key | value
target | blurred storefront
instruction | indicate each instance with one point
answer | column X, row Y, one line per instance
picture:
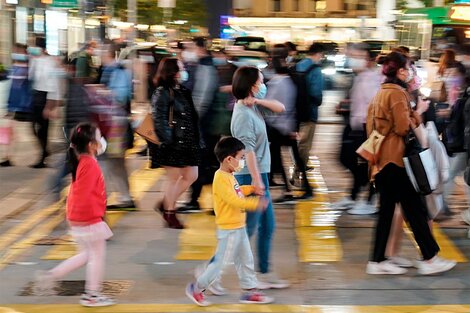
column 307, row 20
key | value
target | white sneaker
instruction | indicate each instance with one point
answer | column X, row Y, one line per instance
column 465, row 215
column 216, row 287
column 435, row 265
column 271, row 281
column 384, row 268
column 363, row 208
column 95, row 300
column 400, row 261
column 44, row 284
column 343, row 204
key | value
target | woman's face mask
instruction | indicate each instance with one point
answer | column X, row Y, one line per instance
column 262, row 90
column 184, row 76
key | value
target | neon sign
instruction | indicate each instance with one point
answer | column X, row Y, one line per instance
column 461, row 13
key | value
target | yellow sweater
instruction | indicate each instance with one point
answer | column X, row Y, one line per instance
column 230, row 202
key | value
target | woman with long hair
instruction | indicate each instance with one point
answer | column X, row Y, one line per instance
column 176, row 125
column 390, row 114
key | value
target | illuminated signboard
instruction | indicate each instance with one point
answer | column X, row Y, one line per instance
column 460, row 13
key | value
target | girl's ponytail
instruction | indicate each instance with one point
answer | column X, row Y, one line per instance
column 72, row 161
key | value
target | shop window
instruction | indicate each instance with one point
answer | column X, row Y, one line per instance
column 276, row 5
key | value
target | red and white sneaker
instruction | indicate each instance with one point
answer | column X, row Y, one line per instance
column 251, row 297
column 196, row 297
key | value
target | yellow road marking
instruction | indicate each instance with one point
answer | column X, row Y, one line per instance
column 270, row 308
column 448, row 249
column 316, row 223
column 140, row 181
column 13, row 234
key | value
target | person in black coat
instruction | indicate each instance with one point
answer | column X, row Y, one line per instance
column 176, row 125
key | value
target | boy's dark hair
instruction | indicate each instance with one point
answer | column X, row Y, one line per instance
column 227, row 146
column 316, row 48
column 200, row 42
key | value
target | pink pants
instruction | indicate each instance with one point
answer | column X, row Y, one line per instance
column 91, row 241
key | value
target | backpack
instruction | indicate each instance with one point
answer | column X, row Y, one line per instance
column 303, row 101
column 453, row 135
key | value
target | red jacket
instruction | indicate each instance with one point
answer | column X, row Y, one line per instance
column 86, row 202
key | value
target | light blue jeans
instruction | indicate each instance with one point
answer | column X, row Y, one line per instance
column 232, row 246
column 263, row 221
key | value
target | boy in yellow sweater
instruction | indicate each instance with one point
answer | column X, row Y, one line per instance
column 233, row 245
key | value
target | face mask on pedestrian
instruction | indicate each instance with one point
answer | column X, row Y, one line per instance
column 290, row 59
column 357, row 64
column 219, row 61
column 103, row 146
column 184, row 76
column 35, row 51
column 262, row 90
column 410, row 75
column 239, row 166
column 19, row 57
column 189, row 56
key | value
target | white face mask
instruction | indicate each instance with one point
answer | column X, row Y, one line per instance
column 184, row 76
column 357, row 64
column 241, row 165
column 103, row 147
column 410, row 76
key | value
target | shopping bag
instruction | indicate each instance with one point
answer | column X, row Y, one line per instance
column 370, row 149
column 438, row 91
column 420, row 166
column 146, row 129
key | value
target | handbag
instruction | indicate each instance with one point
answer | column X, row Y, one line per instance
column 438, row 91
column 146, row 128
column 420, row 165
column 370, row 149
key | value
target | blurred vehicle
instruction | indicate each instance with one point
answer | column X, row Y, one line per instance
column 248, row 58
column 251, row 43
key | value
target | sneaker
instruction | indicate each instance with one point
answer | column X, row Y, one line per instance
column 465, row 215
column 216, row 287
column 271, row 281
column 362, row 208
column 6, row 163
column 95, row 300
column 44, row 284
column 384, row 268
column 401, row 262
column 196, row 297
column 435, row 265
column 251, row 297
column 345, row 203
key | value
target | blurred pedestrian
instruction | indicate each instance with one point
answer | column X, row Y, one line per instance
column 86, row 207
column 365, row 86
column 19, row 100
column 177, row 127
column 282, row 128
column 206, row 84
column 452, row 73
column 117, row 78
column 291, row 58
column 233, row 244
column 314, row 84
column 248, row 125
column 391, row 115
column 84, row 63
column 46, row 90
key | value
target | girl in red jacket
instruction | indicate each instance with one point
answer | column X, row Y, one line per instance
column 86, row 206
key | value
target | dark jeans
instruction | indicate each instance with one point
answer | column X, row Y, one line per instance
column 40, row 124
column 395, row 187
column 279, row 140
column 207, row 169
